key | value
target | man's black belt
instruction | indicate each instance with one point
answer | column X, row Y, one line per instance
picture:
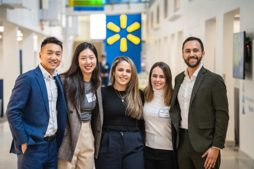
column 50, row 138
column 185, row 131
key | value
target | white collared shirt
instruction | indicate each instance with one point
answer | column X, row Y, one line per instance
column 52, row 100
column 184, row 95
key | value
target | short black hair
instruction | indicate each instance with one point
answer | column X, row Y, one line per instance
column 192, row 38
column 51, row 40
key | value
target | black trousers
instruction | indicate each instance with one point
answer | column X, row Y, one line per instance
column 188, row 158
column 121, row 150
column 159, row 159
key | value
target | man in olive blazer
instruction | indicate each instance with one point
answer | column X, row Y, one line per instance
column 199, row 111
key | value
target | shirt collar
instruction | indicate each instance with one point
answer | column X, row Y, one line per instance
column 195, row 74
column 45, row 73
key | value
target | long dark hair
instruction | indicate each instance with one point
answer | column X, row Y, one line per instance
column 149, row 93
column 73, row 77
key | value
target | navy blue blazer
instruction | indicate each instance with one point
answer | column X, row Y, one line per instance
column 28, row 110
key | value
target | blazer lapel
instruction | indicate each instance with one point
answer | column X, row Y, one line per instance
column 42, row 86
column 60, row 88
column 197, row 84
column 100, row 104
column 61, row 97
column 177, row 87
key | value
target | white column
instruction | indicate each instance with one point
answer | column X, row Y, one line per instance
column 29, row 60
column 1, row 59
column 40, row 38
column 10, row 59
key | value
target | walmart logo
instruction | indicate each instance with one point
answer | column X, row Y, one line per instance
column 123, row 26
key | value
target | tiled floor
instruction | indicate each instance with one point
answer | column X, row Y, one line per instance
column 234, row 159
column 231, row 157
column 7, row 160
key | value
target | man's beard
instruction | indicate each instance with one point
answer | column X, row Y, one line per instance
column 193, row 65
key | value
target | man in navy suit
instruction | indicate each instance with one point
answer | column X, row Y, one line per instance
column 37, row 111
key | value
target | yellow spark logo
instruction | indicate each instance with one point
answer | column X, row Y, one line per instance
column 123, row 41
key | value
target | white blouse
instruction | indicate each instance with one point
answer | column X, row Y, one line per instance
column 158, row 123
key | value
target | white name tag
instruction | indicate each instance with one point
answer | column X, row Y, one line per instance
column 90, row 97
column 164, row 112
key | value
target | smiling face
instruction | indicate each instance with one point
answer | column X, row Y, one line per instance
column 51, row 56
column 192, row 53
column 122, row 75
column 87, row 62
column 158, row 78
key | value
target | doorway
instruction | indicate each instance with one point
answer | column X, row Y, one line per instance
column 231, row 22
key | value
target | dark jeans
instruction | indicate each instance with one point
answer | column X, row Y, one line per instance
column 42, row 156
column 159, row 159
column 121, row 150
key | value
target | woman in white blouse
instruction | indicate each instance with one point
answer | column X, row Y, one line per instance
column 159, row 151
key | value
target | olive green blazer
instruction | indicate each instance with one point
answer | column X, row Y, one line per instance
column 208, row 111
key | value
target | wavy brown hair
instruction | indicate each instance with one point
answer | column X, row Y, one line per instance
column 149, row 93
column 134, row 101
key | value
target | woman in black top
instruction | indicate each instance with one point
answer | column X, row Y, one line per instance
column 122, row 142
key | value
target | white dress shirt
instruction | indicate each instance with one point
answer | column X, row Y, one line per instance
column 184, row 96
column 52, row 94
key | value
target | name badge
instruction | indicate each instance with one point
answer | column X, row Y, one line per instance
column 164, row 112
column 90, row 97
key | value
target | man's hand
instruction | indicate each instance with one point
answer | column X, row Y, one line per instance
column 211, row 157
column 23, row 147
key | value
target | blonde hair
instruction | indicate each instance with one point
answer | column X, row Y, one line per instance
column 134, row 103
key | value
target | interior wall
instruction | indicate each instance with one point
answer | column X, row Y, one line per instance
column 172, row 54
column 1, row 57
column 180, row 65
column 165, row 46
column 246, row 86
column 210, row 48
column 10, row 60
column 228, row 68
column 84, row 29
column 27, row 17
column 27, row 46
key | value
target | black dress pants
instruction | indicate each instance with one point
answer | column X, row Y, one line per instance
column 188, row 158
column 159, row 159
column 121, row 150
